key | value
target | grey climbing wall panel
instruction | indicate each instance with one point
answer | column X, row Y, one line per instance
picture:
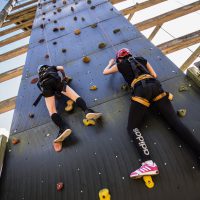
column 103, row 155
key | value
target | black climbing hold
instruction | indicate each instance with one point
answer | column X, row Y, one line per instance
column 89, row 1
column 43, row 18
column 82, row 18
column 49, row 20
column 54, row 43
column 42, row 26
column 64, row 50
column 111, row 9
column 54, row 13
column 55, row 21
column 43, row 13
column 31, row 115
column 116, row 30
column 47, row 56
column 55, row 29
column 92, row 7
column 75, row 18
column 72, row 9
column 41, row 40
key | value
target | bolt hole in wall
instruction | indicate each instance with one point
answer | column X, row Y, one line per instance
column 169, row 31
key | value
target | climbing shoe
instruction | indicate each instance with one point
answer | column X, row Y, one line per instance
column 63, row 134
column 148, row 168
column 90, row 114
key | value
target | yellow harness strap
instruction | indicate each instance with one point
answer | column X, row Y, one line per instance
column 146, row 103
column 160, row 96
column 141, row 100
column 140, row 78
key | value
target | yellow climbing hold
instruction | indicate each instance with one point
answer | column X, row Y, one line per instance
column 86, row 59
column 89, row 122
column 77, row 32
column 69, row 106
column 93, row 87
column 148, row 181
column 104, row 194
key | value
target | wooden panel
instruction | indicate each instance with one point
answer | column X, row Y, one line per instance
column 24, row 4
column 158, row 20
column 11, row 74
column 180, row 43
column 13, row 53
column 7, row 105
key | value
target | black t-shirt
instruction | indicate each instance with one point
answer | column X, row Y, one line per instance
column 50, row 72
column 126, row 70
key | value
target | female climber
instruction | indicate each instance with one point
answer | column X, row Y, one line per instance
column 50, row 83
column 147, row 91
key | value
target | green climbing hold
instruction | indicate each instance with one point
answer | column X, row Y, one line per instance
column 183, row 88
column 102, row 45
column 93, row 25
column 181, row 112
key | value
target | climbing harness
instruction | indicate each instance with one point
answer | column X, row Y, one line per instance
column 147, row 103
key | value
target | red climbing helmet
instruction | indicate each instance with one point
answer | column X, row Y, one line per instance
column 123, row 53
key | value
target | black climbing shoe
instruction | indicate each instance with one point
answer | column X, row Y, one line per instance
column 63, row 134
column 90, row 114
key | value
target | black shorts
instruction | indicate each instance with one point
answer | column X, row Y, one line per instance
column 52, row 86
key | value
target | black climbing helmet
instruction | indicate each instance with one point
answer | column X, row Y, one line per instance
column 42, row 68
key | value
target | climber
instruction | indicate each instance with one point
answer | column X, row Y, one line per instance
column 50, row 83
column 146, row 91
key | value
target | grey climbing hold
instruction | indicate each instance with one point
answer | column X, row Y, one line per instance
column 116, row 30
column 183, row 88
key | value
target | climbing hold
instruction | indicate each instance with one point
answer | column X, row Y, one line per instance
column 77, row 32
column 43, row 18
column 92, row 7
column 69, row 106
column 54, row 6
column 111, row 9
column 181, row 112
column 64, row 50
column 53, row 1
column 93, row 25
column 55, row 21
column 89, row 122
column 34, row 80
column 82, row 18
column 183, row 88
column 72, row 9
column 93, row 87
column 43, row 13
column 102, row 45
column 49, row 20
column 124, row 87
column 54, row 13
column 89, row 1
column 15, row 141
column 86, row 59
column 148, row 181
column 47, row 56
column 64, row 2
column 116, row 30
column 54, row 43
column 75, row 18
column 76, row 2
column 55, row 29
column 59, row 186
column 42, row 26
column 31, row 115
column 41, row 40
column 59, row 9
column 104, row 194
column 62, row 28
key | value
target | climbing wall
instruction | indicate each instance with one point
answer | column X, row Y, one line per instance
column 102, row 156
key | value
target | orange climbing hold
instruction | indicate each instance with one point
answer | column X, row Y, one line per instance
column 93, row 87
column 86, row 59
column 15, row 141
column 69, row 106
column 77, row 32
